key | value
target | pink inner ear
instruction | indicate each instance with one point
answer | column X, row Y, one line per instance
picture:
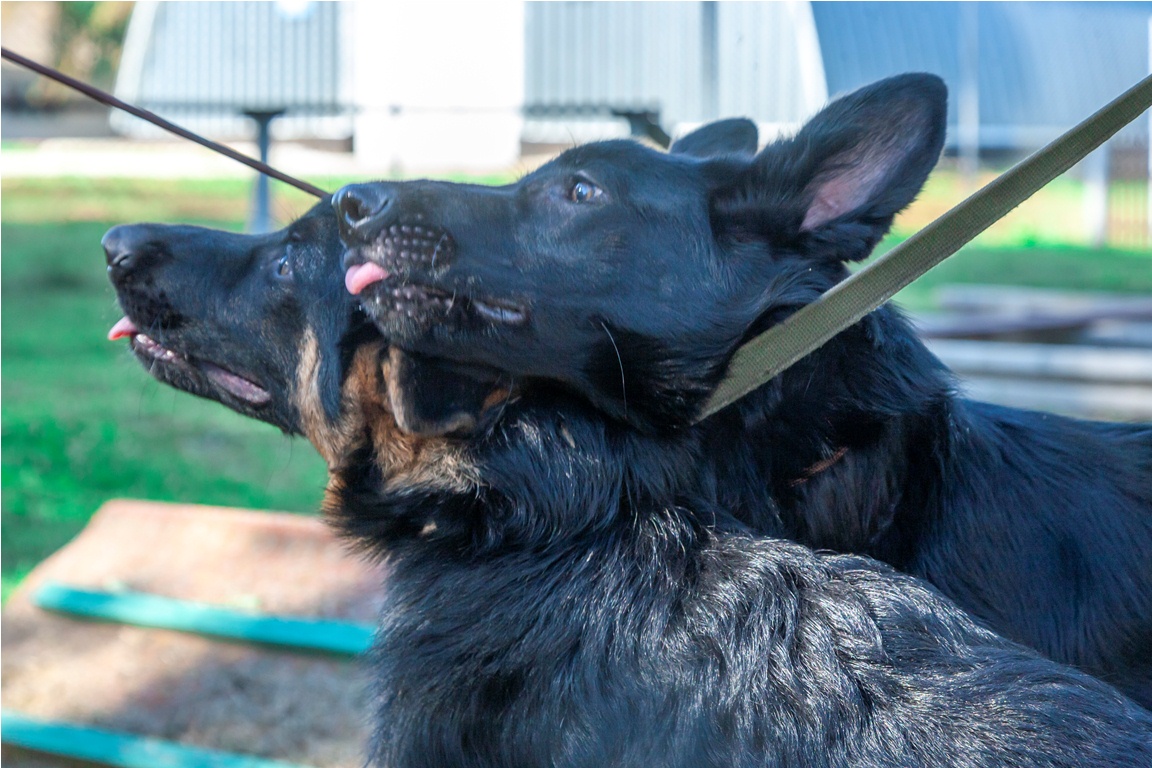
column 844, row 190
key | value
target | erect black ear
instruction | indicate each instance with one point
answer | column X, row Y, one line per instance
column 734, row 136
column 834, row 188
column 432, row 397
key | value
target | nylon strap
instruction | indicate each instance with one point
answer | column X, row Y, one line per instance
column 846, row 303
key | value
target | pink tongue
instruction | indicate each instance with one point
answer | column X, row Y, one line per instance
column 124, row 327
column 360, row 276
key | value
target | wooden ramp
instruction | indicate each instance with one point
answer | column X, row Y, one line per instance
column 258, row 700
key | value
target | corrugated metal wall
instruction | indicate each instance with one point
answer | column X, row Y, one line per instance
column 1041, row 67
column 694, row 61
column 201, row 62
column 770, row 66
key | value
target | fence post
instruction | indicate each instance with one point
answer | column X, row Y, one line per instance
column 968, row 99
column 1096, row 169
column 1149, row 192
column 260, row 219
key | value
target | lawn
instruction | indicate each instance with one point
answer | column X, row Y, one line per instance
column 83, row 422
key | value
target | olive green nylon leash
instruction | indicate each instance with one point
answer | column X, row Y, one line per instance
column 846, row 303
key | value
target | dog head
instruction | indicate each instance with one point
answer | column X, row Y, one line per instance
column 630, row 275
column 264, row 325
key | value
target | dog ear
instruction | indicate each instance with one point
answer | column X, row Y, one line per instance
column 735, row 136
column 430, row 397
column 834, row 188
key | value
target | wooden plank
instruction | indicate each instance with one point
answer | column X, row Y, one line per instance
column 1017, row 300
column 122, row 750
column 144, row 610
column 1047, row 361
column 1081, row 399
column 1050, row 327
column 998, row 311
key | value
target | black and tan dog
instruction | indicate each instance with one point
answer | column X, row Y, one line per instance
column 566, row 590
column 264, row 325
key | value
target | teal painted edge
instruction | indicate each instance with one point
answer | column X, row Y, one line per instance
column 118, row 749
column 144, row 610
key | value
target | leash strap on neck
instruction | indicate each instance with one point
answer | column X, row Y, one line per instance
column 846, row 303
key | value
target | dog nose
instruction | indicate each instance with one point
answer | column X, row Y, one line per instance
column 359, row 208
column 122, row 248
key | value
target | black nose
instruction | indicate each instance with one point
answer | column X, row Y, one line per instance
column 123, row 247
column 360, row 210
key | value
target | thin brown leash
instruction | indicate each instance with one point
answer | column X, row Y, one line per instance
column 106, row 98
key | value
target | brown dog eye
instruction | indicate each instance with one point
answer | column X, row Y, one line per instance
column 583, row 192
column 284, row 267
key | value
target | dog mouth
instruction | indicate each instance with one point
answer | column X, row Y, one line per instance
column 153, row 353
column 387, row 295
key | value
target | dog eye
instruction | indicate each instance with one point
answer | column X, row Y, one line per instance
column 583, row 192
column 284, row 267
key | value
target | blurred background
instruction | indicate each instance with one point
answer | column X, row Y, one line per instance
column 1051, row 309
column 343, row 91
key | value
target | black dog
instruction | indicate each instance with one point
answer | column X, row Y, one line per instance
column 560, row 595
column 629, row 276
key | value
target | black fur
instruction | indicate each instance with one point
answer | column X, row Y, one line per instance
column 210, row 306
column 634, row 297
column 581, row 588
column 241, row 303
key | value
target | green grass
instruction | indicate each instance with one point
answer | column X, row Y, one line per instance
column 83, row 422
column 1042, row 266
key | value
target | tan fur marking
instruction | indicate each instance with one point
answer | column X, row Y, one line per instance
column 498, row 397
column 409, row 459
column 333, row 440
column 405, row 460
column 403, row 413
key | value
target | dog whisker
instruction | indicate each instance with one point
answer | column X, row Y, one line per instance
column 620, row 362
column 436, row 249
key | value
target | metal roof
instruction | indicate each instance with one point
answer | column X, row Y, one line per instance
column 693, row 61
column 201, row 62
column 1042, row 66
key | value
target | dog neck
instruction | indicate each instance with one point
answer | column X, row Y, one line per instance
column 490, row 491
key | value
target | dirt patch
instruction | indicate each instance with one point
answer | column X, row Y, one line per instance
column 210, row 693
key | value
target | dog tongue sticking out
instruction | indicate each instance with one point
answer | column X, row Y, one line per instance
column 226, row 380
column 124, row 327
column 360, row 276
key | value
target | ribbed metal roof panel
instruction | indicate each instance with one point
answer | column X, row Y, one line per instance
column 694, row 61
column 1042, row 66
column 201, row 61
